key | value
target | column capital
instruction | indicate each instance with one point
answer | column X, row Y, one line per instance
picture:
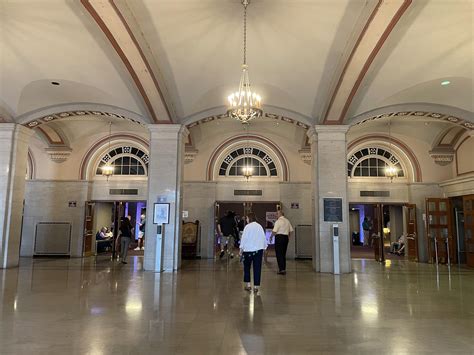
column 168, row 130
column 312, row 135
column 331, row 128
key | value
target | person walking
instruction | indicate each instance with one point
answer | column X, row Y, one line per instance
column 252, row 245
column 281, row 231
column 366, row 227
column 125, row 237
column 141, row 233
column 226, row 230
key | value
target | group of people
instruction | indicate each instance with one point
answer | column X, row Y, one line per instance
column 105, row 236
column 253, row 244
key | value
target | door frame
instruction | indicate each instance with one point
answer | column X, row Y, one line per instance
column 436, row 214
column 412, row 238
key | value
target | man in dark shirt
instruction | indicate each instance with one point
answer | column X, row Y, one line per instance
column 226, row 229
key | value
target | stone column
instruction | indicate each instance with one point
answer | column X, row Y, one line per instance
column 329, row 180
column 165, row 177
column 13, row 163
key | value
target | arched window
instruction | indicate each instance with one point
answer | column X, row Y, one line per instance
column 126, row 160
column 371, row 162
column 260, row 162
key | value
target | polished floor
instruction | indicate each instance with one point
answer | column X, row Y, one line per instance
column 95, row 306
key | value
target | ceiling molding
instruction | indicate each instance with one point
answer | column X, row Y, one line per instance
column 414, row 114
column 118, row 31
column 379, row 25
column 63, row 115
column 272, row 116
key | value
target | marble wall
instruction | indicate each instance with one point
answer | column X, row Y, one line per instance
column 13, row 163
column 199, row 199
column 48, row 201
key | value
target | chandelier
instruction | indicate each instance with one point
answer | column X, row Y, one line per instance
column 245, row 105
column 108, row 168
column 391, row 171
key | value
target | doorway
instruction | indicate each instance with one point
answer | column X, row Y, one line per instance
column 106, row 216
column 264, row 211
column 376, row 231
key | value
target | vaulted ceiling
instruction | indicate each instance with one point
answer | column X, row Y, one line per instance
column 320, row 61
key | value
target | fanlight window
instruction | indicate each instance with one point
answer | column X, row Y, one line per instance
column 372, row 162
column 260, row 162
column 126, row 161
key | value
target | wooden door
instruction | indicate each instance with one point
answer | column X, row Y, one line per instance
column 468, row 202
column 377, row 229
column 412, row 232
column 89, row 235
column 440, row 229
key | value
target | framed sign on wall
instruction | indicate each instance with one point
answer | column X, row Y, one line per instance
column 332, row 209
column 161, row 213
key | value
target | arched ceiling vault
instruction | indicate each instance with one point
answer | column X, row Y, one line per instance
column 313, row 62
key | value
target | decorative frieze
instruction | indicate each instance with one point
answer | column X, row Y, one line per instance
column 190, row 155
column 442, row 157
column 59, row 154
column 305, row 155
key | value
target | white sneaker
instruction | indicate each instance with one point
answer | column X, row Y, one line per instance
column 137, row 248
column 142, row 248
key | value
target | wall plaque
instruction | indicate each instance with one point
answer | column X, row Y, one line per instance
column 332, row 209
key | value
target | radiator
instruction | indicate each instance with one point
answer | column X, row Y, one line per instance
column 53, row 239
column 304, row 241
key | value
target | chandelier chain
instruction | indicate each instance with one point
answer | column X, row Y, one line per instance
column 245, row 33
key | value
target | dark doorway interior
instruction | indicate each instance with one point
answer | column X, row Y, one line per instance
column 264, row 211
column 108, row 214
column 387, row 224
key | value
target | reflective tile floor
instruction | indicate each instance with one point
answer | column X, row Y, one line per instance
column 99, row 307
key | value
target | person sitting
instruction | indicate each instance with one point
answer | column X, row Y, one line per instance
column 103, row 240
column 399, row 247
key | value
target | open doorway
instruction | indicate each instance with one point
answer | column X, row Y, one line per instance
column 264, row 211
column 380, row 231
column 102, row 226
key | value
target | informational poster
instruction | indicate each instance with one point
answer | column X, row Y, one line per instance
column 332, row 209
column 161, row 213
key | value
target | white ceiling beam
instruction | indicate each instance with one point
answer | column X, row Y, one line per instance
column 118, row 31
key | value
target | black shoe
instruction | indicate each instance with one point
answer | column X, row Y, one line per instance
column 124, row 262
column 231, row 256
column 221, row 255
column 281, row 272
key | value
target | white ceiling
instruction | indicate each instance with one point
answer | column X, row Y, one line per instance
column 56, row 40
column 294, row 49
column 199, row 48
column 433, row 43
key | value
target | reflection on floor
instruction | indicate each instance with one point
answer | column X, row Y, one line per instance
column 95, row 306
column 363, row 252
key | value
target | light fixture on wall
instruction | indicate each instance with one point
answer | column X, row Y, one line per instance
column 108, row 168
column 391, row 171
column 245, row 105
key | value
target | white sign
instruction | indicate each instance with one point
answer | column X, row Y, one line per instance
column 161, row 213
column 185, row 214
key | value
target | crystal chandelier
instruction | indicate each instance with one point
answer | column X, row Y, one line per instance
column 391, row 171
column 245, row 105
column 108, row 168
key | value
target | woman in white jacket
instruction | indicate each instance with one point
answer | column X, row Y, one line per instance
column 252, row 245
